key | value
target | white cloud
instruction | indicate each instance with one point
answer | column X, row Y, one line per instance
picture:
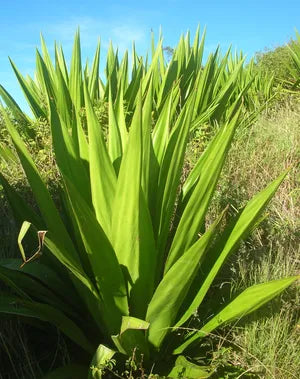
column 124, row 35
column 121, row 32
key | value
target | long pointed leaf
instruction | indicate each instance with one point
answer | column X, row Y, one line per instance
column 132, row 235
column 171, row 291
column 247, row 302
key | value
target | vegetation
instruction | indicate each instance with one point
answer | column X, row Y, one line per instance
column 132, row 222
column 282, row 62
column 295, row 53
column 268, row 342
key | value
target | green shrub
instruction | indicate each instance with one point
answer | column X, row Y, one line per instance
column 126, row 260
column 278, row 62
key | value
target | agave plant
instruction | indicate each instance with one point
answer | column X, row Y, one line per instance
column 219, row 81
column 127, row 258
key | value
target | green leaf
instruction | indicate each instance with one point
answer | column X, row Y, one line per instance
column 132, row 337
column 44, row 77
column 169, row 176
column 65, row 107
column 57, row 240
column 49, row 212
column 243, row 226
column 10, row 278
column 32, row 97
column 107, row 272
column 27, row 287
column 44, row 312
column 147, row 141
column 114, row 136
column 7, row 154
column 102, row 175
column 47, row 58
column 132, row 235
column 13, row 106
column 131, row 92
column 162, row 129
column 112, row 66
column 67, row 154
column 248, row 301
column 167, row 84
column 93, row 84
column 195, row 211
column 123, row 73
column 24, row 229
column 77, row 96
column 120, row 115
column 21, row 210
column 185, row 369
column 45, row 276
column 100, row 362
column 60, row 63
column 76, row 88
column 171, row 291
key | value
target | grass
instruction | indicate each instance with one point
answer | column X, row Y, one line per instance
column 268, row 344
column 26, row 352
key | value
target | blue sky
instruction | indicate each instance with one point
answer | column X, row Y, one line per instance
column 249, row 26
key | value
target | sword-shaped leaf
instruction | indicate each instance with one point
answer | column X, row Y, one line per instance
column 28, row 287
column 132, row 235
column 102, row 175
column 13, row 106
column 114, row 136
column 93, row 83
column 47, row 58
column 248, row 301
column 44, row 312
column 194, row 213
column 107, row 272
column 76, row 90
column 60, row 63
column 171, row 291
column 120, row 115
column 60, row 245
column 243, row 226
column 31, row 96
column 169, row 176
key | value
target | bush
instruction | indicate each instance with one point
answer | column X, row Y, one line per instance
column 278, row 61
